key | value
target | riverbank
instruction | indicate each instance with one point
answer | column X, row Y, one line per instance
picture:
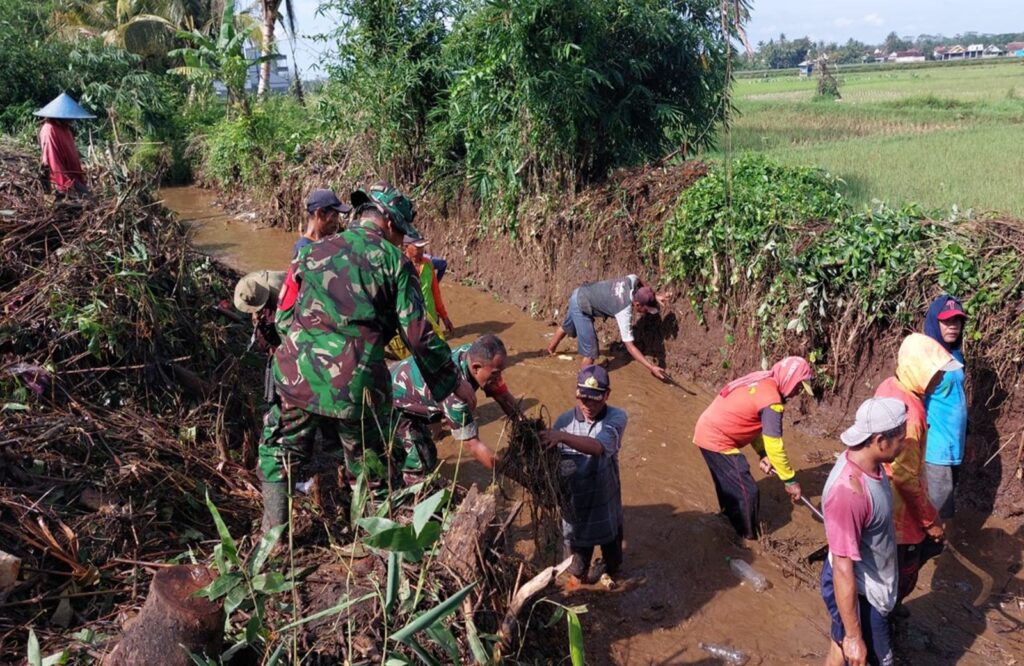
column 677, row 588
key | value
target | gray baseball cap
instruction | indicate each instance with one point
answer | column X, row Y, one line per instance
column 874, row 416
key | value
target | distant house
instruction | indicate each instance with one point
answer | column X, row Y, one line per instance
column 974, row 51
column 912, row 55
column 1015, row 49
column 992, row 51
column 954, row 53
column 806, row 68
column 939, row 52
column 280, row 78
column 879, row 56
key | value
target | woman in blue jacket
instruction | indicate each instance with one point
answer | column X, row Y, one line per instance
column 947, row 407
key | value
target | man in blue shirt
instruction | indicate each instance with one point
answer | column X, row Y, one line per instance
column 946, row 407
column 588, row 438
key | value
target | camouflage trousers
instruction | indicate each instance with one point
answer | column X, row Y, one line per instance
column 414, row 436
column 288, row 436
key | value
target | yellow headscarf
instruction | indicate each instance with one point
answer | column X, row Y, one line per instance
column 919, row 358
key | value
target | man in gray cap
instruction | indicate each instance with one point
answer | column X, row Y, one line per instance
column 619, row 299
column 859, row 579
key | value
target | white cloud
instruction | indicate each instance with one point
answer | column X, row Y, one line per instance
column 842, row 22
column 874, row 19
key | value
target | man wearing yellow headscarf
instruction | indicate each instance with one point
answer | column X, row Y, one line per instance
column 920, row 365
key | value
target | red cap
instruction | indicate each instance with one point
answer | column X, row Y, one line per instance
column 951, row 309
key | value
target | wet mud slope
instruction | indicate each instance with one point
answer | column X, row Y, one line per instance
column 615, row 228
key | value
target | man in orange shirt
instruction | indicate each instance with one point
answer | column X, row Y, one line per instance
column 414, row 250
column 749, row 411
column 919, row 534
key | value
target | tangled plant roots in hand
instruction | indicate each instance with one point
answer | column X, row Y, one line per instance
column 526, row 462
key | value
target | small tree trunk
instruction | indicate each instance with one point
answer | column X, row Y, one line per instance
column 173, row 623
column 469, row 534
column 269, row 18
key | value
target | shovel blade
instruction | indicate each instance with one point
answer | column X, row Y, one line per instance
column 817, row 555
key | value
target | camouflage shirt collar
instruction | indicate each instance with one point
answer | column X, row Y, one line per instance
column 365, row 224
column 463, row 362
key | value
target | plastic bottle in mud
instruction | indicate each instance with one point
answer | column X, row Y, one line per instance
column 727, row 654
column 747, row 573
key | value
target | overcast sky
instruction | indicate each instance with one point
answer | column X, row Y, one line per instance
column 830, row 20
column 871, row 20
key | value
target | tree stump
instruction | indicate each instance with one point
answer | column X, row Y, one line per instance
column 173, row 623
column 468, row 535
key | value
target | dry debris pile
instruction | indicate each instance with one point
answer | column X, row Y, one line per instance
column 128, row 399
column 109, row 358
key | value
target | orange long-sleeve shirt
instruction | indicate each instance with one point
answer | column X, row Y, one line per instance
column 911, row 508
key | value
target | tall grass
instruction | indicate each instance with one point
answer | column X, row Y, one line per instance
column 942, row 137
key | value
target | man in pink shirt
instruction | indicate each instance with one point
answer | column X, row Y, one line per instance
column 859, row 580
column 59, row 154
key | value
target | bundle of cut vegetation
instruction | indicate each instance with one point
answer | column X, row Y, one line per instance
column 114, row 419
column 526, row 462
column 807, row 274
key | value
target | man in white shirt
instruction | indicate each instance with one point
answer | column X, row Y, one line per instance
column 618, row 298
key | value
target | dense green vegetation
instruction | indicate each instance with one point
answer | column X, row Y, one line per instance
column 505, row 99
column 515, row 98
column 941, row 136
column 786, row 242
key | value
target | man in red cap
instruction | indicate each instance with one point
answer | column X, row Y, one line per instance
column 946, row 408
column 619, row 299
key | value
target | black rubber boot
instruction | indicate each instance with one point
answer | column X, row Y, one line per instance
column 275, row 505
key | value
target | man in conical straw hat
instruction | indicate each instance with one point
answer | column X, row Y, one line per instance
column 57, row 143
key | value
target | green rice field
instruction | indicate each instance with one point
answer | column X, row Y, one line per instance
column 939, row 136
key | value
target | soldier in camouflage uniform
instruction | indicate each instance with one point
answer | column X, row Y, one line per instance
column 355, row 291
column 416, row 409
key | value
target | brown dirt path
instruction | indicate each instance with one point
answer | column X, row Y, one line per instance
column 678, row 589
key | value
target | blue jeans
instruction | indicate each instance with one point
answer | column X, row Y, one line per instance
column 580, row 326
column 874, row 626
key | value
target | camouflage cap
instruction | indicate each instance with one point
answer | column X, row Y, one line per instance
column 390, row 201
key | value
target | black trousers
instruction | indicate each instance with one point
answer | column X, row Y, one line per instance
column 910, row 558
column 611, row 552
column 738, row 495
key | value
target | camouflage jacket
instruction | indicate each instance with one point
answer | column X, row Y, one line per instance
column 355, row 291
column 411, row 395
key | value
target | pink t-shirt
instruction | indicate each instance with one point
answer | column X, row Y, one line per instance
column 858, row 523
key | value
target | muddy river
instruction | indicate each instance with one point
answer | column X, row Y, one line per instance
column 677, row 589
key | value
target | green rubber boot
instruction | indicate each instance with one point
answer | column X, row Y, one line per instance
column 275, row 505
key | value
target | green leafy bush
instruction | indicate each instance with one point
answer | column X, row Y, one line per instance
column 243, row 150
column 737, row 225
column 784, row 239
column 387, row 80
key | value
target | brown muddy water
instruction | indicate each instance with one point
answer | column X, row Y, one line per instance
column 677, row 589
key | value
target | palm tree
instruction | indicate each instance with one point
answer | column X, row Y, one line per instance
column 207, row 59
column 143, row 27
column 271, row 14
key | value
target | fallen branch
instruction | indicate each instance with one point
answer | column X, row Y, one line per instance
column 525, row 593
